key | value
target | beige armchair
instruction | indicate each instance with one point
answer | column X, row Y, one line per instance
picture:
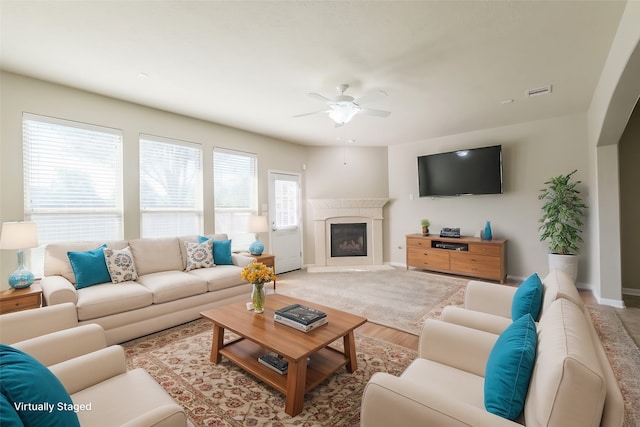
column 91, row 372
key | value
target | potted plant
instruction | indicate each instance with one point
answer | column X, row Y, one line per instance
column 561, row 222
column 425, row 226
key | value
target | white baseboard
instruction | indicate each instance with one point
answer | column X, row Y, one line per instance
column 631, row 291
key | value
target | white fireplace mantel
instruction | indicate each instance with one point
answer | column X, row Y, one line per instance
column 332, row 211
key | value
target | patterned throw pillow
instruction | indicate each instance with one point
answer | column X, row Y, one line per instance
column 120, row 265
column 199, row 255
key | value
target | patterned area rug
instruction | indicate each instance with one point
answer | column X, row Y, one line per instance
column 624, row 357
column 401, row 299
column 224, row 395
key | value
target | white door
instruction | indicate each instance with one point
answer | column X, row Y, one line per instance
column 284, row 218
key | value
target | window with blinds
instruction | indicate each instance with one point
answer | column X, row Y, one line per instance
column 235, row 186
column 72, row 182
column 170, row 187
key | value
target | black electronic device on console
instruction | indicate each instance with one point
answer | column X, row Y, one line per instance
column 450, row 232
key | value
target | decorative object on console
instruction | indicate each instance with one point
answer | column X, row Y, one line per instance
column 486, row 233
column 20, row 236
column 425, row 227
column 257, row 224
column 561, row 222
column 257, row 274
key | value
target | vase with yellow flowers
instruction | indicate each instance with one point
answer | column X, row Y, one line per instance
column 257, row 274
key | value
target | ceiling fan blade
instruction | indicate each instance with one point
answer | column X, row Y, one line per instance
column 377, row 113
column 309, row 114
column 319, row 97
column 371, row 96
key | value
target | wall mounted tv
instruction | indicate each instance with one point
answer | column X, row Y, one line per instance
column 462, row 172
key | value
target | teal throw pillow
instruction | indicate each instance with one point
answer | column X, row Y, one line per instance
column 509, row 369
column 8, row 415
column 528, row 298
column 34, row 392
column 90, row 267
column 221, row 251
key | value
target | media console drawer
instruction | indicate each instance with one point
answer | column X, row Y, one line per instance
column 467, row 256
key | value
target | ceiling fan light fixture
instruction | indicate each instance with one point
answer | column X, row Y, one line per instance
column 342, row 113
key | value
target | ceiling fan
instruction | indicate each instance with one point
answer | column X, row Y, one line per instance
column 344, row 107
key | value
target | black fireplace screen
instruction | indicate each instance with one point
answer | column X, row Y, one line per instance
column 349, row 239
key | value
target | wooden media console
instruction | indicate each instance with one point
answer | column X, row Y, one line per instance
column 466, row 255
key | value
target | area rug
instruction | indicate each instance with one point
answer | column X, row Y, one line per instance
column 624, row 357
column 224, row 395
column 401, row 299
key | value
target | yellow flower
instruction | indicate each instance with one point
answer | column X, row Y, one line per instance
column 258, row 273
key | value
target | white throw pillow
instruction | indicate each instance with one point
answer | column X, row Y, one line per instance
column 120, row 264
column 199, row 255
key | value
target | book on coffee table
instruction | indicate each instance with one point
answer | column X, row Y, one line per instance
column 300, row 317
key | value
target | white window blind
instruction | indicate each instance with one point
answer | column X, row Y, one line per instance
column 235, row 186
column 72, row 181
column 170, row 187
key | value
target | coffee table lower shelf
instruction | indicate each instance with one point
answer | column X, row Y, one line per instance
column 245, row 353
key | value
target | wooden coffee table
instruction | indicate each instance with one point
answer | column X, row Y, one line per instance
column 260, row 334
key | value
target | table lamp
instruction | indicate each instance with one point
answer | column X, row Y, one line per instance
column 20, row 236
column 257, row 224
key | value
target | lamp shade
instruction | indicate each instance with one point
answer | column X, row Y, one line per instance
column 19, row 235
column 258, row 224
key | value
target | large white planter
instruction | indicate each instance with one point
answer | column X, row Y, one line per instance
column 566, row 263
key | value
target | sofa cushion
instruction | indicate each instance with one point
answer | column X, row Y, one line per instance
column 199, row 255
column 528, row 298
column 152, row 255
column 121, row 265
column 509, row 368
column 56, row 261
column 172, row 285
column 567, row 385
column 8, row 414
column 89, row 267
column 28, row 385
column 558, row 284
column 452, row 383
column 111, row 298
column 220, row 276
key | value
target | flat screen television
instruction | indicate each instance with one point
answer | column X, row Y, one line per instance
column 462, row 172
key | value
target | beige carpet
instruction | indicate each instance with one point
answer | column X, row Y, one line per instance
column 401, row 299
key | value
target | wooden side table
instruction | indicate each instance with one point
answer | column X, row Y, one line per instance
column 268, row 260
column 20, row 299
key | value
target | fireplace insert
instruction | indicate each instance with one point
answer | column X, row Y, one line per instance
column 348, row 240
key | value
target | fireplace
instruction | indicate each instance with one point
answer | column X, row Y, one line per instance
column 359, row 232
column 349, row 239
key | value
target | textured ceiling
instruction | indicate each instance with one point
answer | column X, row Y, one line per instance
column 446, row 65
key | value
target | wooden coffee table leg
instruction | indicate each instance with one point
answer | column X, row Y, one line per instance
column 296, row 382
column 350, row 352
column 217, row 343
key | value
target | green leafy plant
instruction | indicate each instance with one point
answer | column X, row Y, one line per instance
column 425, row 223
column 562, row 213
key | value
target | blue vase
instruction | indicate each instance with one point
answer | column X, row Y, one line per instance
column 486, row 233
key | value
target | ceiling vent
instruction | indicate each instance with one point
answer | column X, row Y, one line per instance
column 538, row 91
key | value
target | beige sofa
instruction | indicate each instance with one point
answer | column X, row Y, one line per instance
column 92, row 373
column 487, row 306
column 164, row 294
column 572, row 383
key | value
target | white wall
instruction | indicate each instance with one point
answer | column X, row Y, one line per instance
column 532, row 153
column 21, row 94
